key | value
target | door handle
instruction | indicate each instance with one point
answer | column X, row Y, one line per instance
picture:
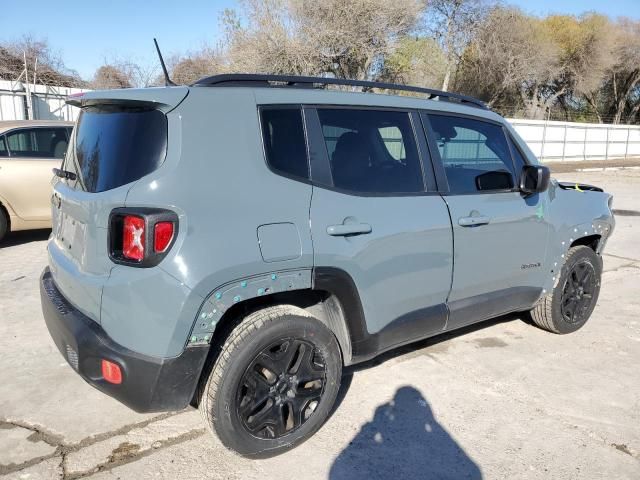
column 348, row 229
column 473, row 221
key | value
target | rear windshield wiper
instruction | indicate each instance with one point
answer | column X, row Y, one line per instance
column 64, row 174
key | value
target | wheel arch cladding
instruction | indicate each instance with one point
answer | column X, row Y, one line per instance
column 223, row 298
column 591, row 241
column 324, row 300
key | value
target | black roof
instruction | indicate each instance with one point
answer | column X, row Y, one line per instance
column 292, row 81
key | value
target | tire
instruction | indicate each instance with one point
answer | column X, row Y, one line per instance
column 553, row 311
column 4, row 223
column 275, row 353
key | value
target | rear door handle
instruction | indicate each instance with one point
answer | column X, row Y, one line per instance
column 473, row 221
column 348, row 229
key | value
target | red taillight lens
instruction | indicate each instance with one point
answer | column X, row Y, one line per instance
column 133, row 238
column 162, row 236
column 111, row 372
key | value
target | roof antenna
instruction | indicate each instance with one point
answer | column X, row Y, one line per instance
column 167, row 80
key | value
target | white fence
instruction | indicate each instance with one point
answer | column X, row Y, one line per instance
column 566, row 141
column 47, row 103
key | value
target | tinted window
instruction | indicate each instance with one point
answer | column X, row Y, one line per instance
column 371, row 151
column 3, row 147
column 38, row 142
column 112, row 147
column 284, row 143
column 475, row 154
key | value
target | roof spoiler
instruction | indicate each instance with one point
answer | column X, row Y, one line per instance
column 161, row 98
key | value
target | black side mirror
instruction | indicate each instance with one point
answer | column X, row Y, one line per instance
column 534, row 179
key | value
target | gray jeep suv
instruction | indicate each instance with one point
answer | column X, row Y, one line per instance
column 233, row 244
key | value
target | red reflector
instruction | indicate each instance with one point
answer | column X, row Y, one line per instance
column 162, row 236
column 111, row 372
column 133, row 238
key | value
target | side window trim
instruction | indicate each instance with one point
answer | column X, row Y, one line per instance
column 321, row 175
column 424, row 153
column 276, row 171
column 439, row 163
column 513, row 146
column 319, row 164
column 436, row 159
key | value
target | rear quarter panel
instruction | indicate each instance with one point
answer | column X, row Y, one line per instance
column 216, row 179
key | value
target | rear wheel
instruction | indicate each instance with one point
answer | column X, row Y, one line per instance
column 274, row 382
column 570, row 304
column 4, row 223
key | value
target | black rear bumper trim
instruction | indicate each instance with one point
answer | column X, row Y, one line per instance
column 149, row 384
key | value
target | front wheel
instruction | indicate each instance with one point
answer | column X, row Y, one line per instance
column 570, row 304
column 274, row 382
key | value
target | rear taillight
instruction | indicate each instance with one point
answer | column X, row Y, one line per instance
column 162, row 236
column 141, row 237
column 133, row 238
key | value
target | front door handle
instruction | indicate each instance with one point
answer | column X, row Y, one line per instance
column 348, row 229
column 473, row 221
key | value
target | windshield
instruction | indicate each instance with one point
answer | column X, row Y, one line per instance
column 113, row 146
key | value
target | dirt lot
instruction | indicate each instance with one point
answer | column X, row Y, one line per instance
column 500, row 400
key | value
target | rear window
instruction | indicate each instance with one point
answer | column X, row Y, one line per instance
column 115, row 146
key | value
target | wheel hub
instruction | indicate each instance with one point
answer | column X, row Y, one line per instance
column 577, row 293
column 280, row 388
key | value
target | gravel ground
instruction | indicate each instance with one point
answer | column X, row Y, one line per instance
column 499, row 400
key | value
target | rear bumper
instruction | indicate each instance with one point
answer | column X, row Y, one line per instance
column 149, row 384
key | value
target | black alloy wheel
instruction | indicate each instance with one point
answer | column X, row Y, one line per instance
column 578, row 292
column 281, row 388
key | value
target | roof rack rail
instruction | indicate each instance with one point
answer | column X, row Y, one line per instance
column 259, row 80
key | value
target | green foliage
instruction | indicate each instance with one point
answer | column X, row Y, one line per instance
column 417, row 61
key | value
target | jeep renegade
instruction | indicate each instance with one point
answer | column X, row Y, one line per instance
column 234, row 243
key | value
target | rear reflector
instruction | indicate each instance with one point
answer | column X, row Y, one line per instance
column 162, row 236
column 111, row 372
column 133, row 238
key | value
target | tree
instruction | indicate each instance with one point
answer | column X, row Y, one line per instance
column 508, row 59
column 41, row 61
column 342, row 38
column 586, row 54
column 416, row 61
column 453, row 24
column 186, row 70
column 621, row 89
column 125, row 73
column 110, row 76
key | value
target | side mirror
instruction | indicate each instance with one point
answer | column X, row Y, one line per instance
column 534, row 179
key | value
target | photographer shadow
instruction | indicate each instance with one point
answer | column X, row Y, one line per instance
column 403, row 441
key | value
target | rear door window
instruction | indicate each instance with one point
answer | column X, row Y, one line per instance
column 475, row 154
column 38, row 142
column 284, row 142
column 3, row 147
column 371, row 151
column 113, row 146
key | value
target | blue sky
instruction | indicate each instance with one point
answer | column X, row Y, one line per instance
column 87, row 32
